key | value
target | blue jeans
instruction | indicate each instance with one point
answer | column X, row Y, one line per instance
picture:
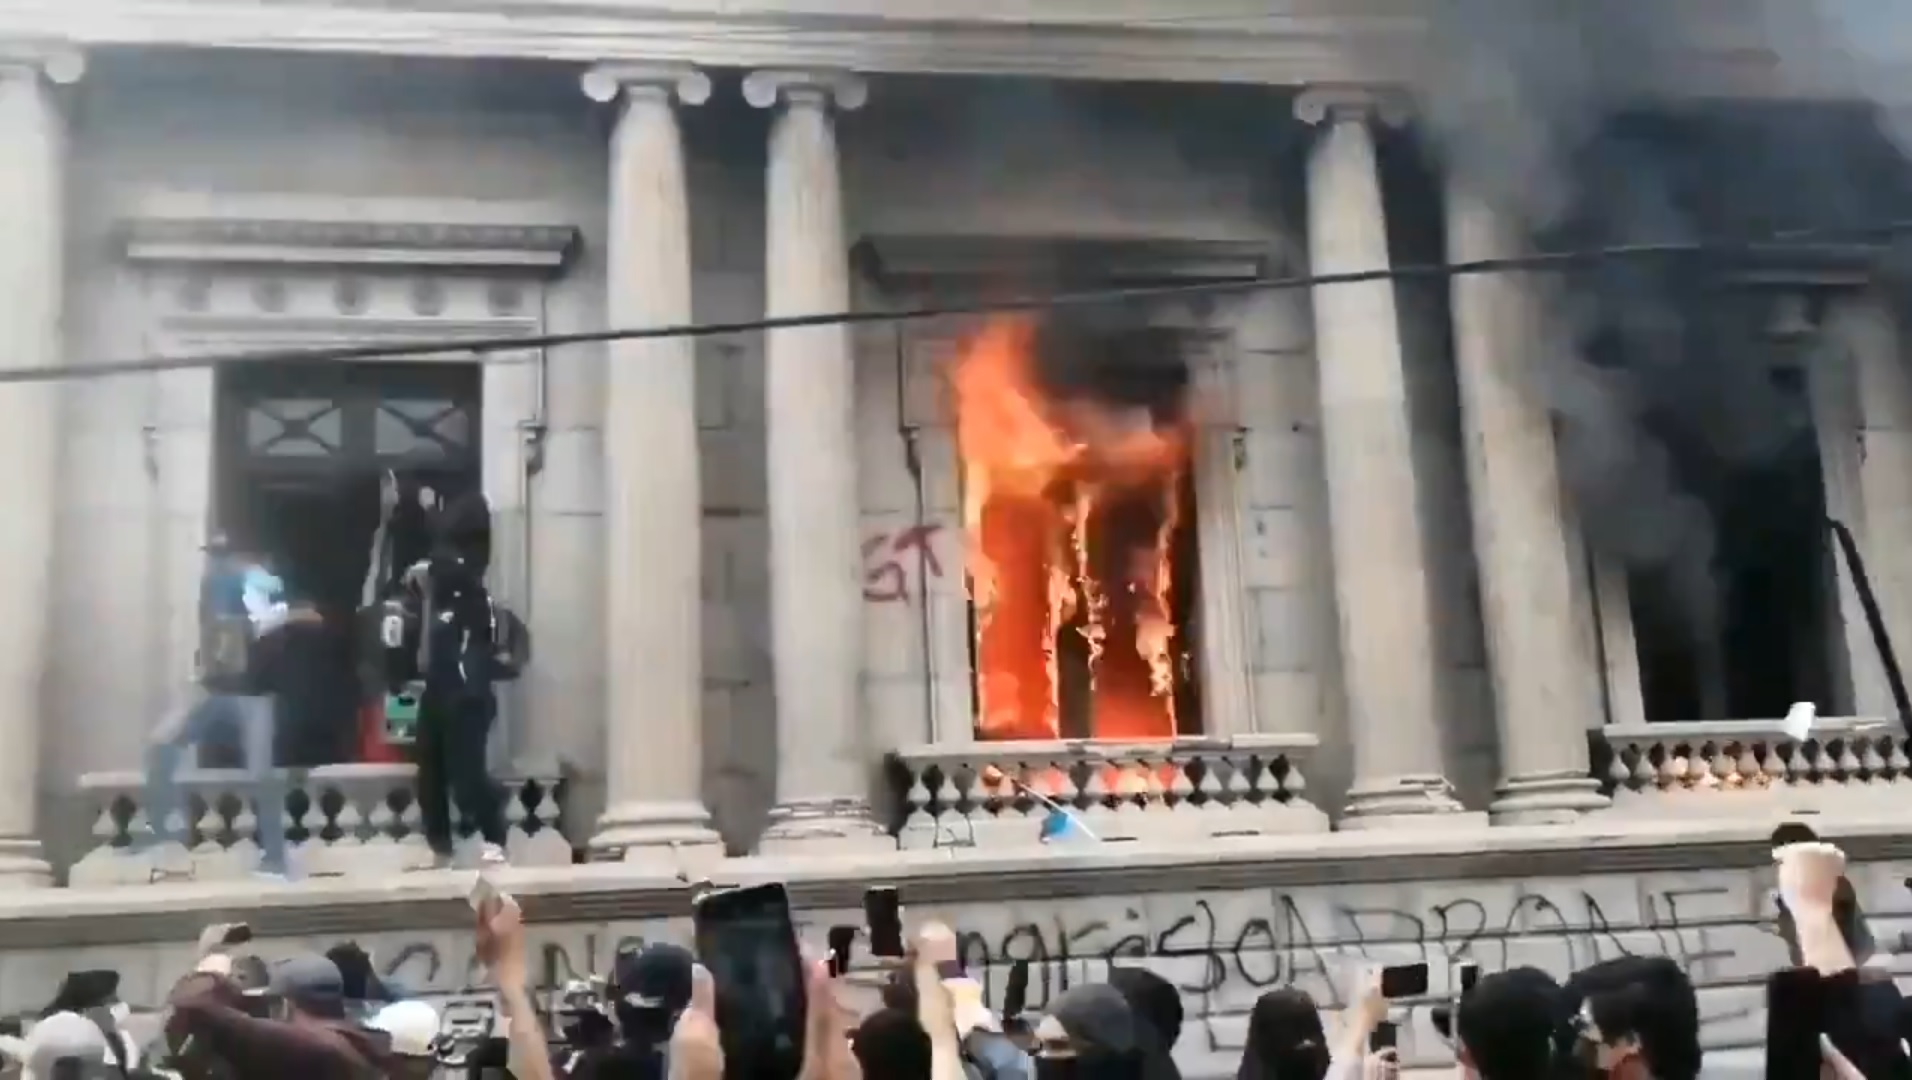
column 255, row 719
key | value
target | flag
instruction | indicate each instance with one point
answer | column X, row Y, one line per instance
column 1799, row 720
column 1061, row 826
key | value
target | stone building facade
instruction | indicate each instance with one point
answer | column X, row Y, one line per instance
column 741, row 555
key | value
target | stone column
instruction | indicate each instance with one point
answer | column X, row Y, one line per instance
column 1542, row 677
column 33, row 221
column 653, row 507
column 1380, row 553
column 816, row 591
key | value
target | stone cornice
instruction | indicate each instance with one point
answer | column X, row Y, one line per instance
column 539, row 248
column 889, row 257
column 1193, row 41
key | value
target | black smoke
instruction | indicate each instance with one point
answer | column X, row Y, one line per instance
column 1111, row 356
column 1670, row 415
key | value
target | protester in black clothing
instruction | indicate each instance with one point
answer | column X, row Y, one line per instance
column 891, row 1045
column 451, row 631
column 1285, row 1038
column 1157, row 1005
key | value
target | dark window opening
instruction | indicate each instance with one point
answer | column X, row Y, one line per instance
column 302, row 450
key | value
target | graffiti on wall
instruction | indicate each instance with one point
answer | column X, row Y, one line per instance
column 1222, row 950
column 896, row 563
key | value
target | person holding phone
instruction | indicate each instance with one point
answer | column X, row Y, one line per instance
column 501, row 948
column 1824, row 1002
column 1846, row 909
column 748, row 941
column 308, row 1035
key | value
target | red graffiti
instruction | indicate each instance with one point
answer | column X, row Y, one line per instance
column 888, row 557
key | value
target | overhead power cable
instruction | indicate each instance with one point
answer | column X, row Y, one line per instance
column 1777, row 243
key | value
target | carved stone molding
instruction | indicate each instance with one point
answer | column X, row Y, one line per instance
column 888, row 258
column 604, row 82
column 845, row 90
column 523, row 248
column 1163, row 40
column 1320, row 103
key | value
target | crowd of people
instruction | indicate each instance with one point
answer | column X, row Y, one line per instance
column 662, row 1016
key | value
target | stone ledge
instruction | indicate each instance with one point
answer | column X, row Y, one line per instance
column 541, row 249
column 615, row 892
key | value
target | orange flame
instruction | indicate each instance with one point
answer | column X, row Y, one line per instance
column 1070, row 509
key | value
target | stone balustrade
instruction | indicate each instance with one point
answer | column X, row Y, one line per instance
column 992, row 794
column 1721, row 768
column 341, row 821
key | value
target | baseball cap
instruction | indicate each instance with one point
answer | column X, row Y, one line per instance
column 655, row 977
column 412, row 1027
column 63, row 1036
column 311, row 982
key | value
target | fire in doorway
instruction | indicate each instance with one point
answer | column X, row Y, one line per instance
column 1077, row 507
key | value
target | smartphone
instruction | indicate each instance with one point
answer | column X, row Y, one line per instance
column 842, row 946
column 745, row 937
column 1795, row 1015
column 1384, row 1037
column 1469, row 975
column 883, row 914
column 1015, row 999
column 1404, row 980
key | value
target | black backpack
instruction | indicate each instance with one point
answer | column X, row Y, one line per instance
column 510, row 643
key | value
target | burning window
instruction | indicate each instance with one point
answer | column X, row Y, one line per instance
column 1078, row 519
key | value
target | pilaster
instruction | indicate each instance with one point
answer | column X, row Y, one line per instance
column 823, row 765
column 1228, row 704
column 1380, row 554
column 33, row 220
column 652, row 497
column 1862, row 412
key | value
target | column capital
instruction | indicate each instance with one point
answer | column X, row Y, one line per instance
column 56, row 62
column 1340, row 101
column 605, row 82
column 845, row 89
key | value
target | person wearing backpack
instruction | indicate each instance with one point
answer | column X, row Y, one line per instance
column 243, row 615
column 451, row 644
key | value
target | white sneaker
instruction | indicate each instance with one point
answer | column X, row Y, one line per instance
column 493, row 855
